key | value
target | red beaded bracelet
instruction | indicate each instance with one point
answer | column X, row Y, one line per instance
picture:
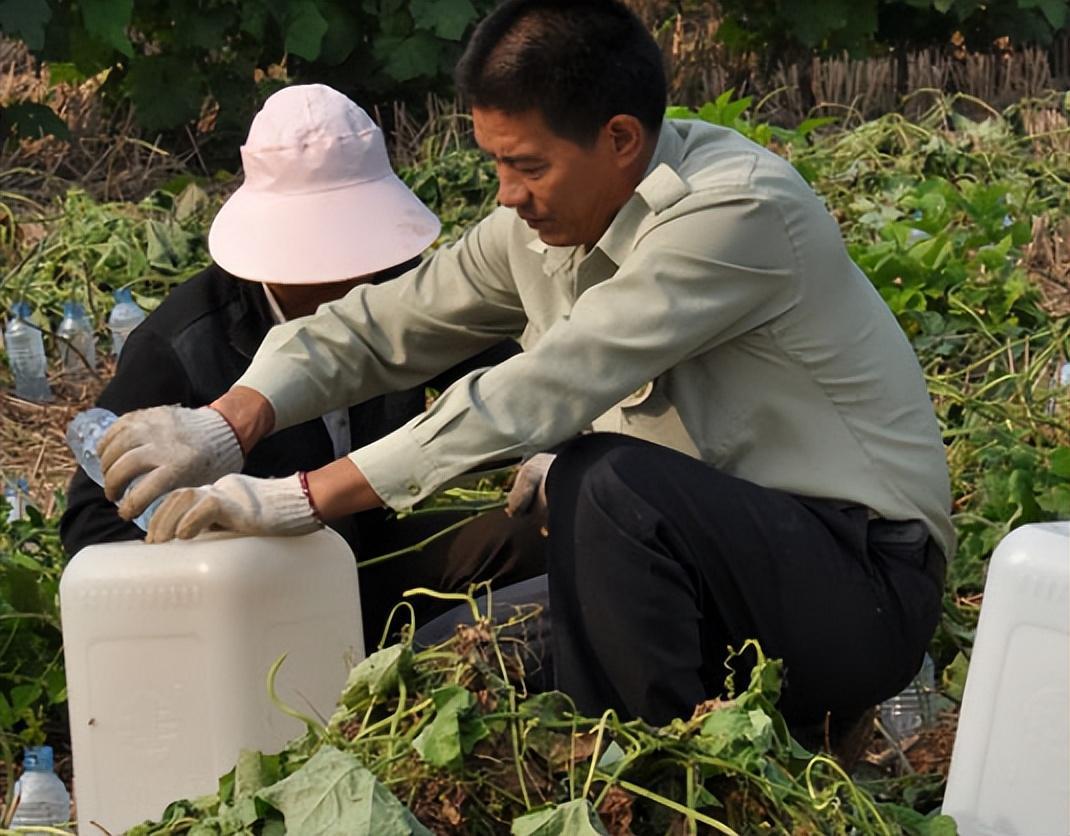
column 302, row 477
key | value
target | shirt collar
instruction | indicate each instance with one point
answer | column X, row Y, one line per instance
column 660, row 188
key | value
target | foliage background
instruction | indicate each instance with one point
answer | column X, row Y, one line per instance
column 957, row 215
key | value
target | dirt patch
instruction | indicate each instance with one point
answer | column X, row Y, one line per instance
column 931, row 752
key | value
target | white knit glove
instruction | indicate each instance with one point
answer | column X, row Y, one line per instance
column 168, row 447
column 245, row 504
column 528, row 494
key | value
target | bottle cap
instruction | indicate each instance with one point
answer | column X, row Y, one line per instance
column 73, row 309
column 20, row 310
column 123, row 295
column 37, row 759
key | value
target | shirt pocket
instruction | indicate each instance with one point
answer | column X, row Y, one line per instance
column 648, row 413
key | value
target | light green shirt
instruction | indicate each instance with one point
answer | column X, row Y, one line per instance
column 719, row 315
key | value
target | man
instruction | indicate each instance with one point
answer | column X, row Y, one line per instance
column 320, row 212
column 766, row 461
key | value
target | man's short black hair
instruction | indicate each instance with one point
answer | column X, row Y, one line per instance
column 579, row 62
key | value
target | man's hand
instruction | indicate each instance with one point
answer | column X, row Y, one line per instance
column 168, row 447
column 245, row 504
column 528, row 494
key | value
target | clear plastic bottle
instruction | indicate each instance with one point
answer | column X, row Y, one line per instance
column 26, row 353
column 17, row 494
column 83, row 435
column 77, row 347
column 124, row 318
column 1060, row 389
column 911, row 710
column 43, row 800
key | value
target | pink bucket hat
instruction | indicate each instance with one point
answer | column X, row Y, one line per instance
column 320, row 202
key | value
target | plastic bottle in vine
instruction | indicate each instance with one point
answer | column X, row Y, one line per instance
column 43, row 799
column 77, row 347
column 911, row 710
column 124, row 318
column 83, row 435
column 26, row 353
column 16, row 492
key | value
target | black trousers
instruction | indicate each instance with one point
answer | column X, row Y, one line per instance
column 492, row 547
column 659, row 562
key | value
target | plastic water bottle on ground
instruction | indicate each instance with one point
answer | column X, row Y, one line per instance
column 77, row 348
column 1060, row 389
column 26, row 353
column 83, row 435
column 911, row 710
column 17, row 494
column 124, row 318
column 43, row 800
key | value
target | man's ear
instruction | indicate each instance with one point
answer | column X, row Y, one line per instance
column 627, row 138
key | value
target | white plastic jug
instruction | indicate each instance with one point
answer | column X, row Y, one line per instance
column 1010, row 767
column 168, row 648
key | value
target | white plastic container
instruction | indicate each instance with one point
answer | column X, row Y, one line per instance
column 1010, row 767
column 168, row 648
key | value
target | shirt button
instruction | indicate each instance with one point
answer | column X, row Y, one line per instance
column 412, row 488
column 638, row 396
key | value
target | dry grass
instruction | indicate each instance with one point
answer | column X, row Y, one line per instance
column 699, row 68
column 107, row 154
column 1047, row 260
column 32, row 435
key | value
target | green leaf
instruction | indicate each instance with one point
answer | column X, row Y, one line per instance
column 573, row 818
column 7, row 716
column 446, row 18
column 378, row 675
column 1056, row 501
column 911, row 820
column 239, row 807
column 107, row 20
column 305, row 28
column 25, row 19
column 1060, row 462
column 64, row 73
column 205, row 30
column 343, row 33
column 1055, row 11
column 407, row 58
column 168, row 245
column 30, row 120
column 813, row 23
column 254, row 19
column 190, row 201
column 24, row 696
column 166, row 90
column 334, row 795
column 454, row 731
column 953, row 678
column 724, row 729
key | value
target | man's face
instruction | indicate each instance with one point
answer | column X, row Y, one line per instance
column 566, row 192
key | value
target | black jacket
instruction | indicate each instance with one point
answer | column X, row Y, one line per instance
column 190, row 351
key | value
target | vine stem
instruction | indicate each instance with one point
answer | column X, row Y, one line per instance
column 694, row 815
column 449, row 529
